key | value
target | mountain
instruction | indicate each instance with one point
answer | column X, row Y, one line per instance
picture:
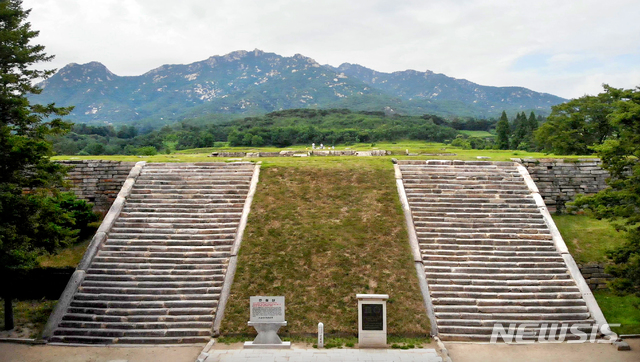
column 411, row 85
column 256, row 82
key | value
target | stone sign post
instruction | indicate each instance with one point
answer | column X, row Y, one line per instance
column 372, row 320
column 267, row 316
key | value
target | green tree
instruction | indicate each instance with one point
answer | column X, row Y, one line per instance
column 30, row 222
column 502, row 132
column 576, row 126
column 620, row 202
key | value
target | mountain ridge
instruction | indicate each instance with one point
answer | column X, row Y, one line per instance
column 256, row 82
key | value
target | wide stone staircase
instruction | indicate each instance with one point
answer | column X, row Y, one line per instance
column 158, row 276
column 487, row 252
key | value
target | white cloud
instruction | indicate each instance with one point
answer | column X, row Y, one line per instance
column 482, row 41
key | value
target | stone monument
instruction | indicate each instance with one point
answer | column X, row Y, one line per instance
column 267, row 316
column 372, row 320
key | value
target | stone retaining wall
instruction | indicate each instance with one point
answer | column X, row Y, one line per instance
column 559, row 181
column 595, row 276
column 98, row 181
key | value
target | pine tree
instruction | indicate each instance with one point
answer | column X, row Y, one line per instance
column 29, row 221
column 503, row 132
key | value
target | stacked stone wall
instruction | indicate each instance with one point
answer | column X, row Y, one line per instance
column 98, row 181
column 595, row 276
column 559, row 181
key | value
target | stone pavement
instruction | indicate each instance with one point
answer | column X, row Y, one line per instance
column 323, row 355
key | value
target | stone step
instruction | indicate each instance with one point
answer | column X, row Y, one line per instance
column 454, row 221
column 144, row 297
column 186, row 197
column 480, row 235
column 172, row 278
column 496, row 254
column 436, row 259
column 114, row 271
column 102, row 290
column 495, row 264
column 178, row 332
column 507, row 322
column 150, row 216
column 496, row 275
column 459, row 207
column 506, row 286
column 532, row 332
column 160, row 210
column 165, row 254
column 141, row 311
column 83, row 340
column 143, row 304
column 152, row 284
column 505, row 295
column 532, row 272
column 445, row 246
column 141, row 326
column 457, row 301
column 182, row 208
column 182, row 201
column 153, row 260
column 455, row 228
column 197, row 219
column 508, row 309
column 195, row 177
column 162, row 249
column 189, row 230
column 542, row 316
column 158, row 236
column 197, row 190
column 195, row 224
column 208, row 318
column 528, row 212
column 141, row 182
column 466, row 243
column 218, row 243
column 215, row 265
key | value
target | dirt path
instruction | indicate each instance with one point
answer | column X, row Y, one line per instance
column 564, row 352
column 23, row 353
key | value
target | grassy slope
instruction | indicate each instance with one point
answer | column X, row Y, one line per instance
column 318, row 236
column 588, row 240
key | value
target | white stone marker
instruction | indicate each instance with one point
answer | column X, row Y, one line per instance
column 267, row 316
column 320, row 335
column 372, row 320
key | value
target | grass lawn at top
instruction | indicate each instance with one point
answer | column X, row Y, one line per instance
column 319, row 236
column 427, row 150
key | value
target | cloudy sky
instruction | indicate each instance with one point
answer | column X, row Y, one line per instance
column 567, row 48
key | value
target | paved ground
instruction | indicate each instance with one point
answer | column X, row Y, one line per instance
column 561, row 352
column 459, row 352
column 325, row 355
column 23, row 353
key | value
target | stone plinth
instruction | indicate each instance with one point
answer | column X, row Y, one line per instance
column 372, row 320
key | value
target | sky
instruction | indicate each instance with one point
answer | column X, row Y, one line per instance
column 568, row 48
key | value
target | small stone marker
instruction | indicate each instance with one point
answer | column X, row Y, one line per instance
column 267, row 316
column 320, row 335
column 372, row 320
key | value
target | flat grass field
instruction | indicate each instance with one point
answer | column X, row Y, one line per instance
column 426, row 150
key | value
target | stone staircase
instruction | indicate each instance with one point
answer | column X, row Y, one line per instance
column 487, row 252
column 157, row 278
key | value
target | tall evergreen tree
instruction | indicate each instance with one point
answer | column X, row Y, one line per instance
column 519, row 133
column 503, row 132
column 29, row 222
